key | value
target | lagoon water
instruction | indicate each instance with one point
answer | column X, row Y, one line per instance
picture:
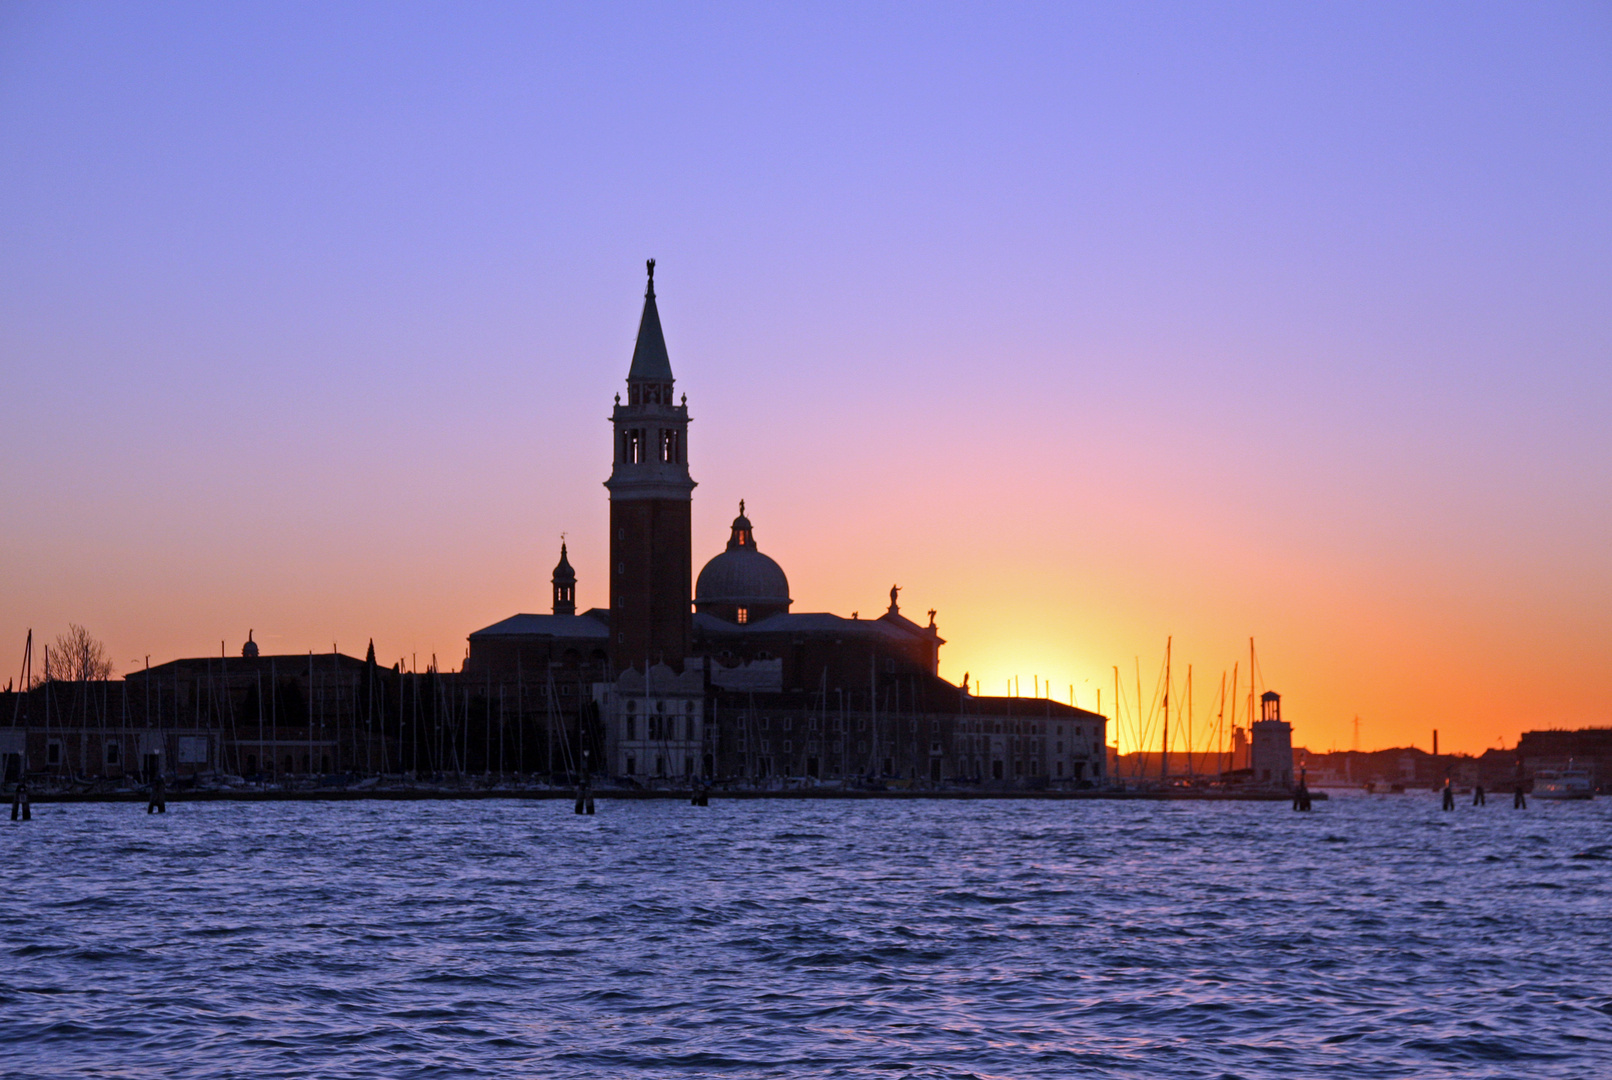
column 1374, row 937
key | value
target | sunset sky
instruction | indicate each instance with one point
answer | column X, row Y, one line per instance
column 1088, row 325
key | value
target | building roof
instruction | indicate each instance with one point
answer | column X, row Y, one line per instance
column 997, row 705
column 289, row 663
column 563, row 571
column 650, row 363
column 741, row 574
column 803, row 623
column 578, row 627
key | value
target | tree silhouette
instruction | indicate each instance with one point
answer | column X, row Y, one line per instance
column 76, row 656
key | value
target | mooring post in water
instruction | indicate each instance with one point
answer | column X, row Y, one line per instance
column 1478, row 798
column 584, row 803
column 20, row 809
column 159, row 801
column 1449, row 795
column 1519, row 801
column 1301, row 794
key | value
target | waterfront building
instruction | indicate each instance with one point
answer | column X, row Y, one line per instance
column 725, row 679
column 1271, row 743
column 719, row 678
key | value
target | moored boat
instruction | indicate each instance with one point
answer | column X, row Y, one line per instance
column 1568, row 783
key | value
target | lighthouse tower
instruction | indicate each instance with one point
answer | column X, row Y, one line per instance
column 1271, row 751
column 651, row 587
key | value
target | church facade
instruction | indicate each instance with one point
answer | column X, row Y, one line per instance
column 718, row 678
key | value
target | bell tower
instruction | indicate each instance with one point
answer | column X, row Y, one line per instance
column 565, row 585
column 650, row 493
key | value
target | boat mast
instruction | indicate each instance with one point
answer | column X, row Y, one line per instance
column 1231, row 753
column 1164, row 761
column 1220, row 721
column 1189, row 722
column 1253, row 677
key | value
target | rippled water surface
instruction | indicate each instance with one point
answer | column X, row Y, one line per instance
column 1375, row 937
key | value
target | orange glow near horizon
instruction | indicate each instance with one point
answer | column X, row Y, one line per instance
column 1140, row 324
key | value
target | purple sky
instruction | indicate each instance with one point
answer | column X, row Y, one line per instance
column 1086, row 324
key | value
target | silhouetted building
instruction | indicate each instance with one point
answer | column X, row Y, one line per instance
column 650, row 489
column 1271, row 743
column 724, row 679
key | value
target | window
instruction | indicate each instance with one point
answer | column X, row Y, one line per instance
column 632, row 730
column 53, row 752
column 632, row 446
column 744, row 615
column 688, row 728
column 111, row 754
column 668, row 447
column 631, row 764
column 789, row 746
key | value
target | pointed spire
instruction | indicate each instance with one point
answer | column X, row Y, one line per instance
column 565, row 585
column 369, row 657
column 650, row 362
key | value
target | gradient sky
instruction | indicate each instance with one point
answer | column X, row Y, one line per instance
column 1089, row 325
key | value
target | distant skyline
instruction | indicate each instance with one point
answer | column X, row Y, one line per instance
column 1087, row 325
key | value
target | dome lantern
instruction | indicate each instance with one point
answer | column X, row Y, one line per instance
column 741, row 585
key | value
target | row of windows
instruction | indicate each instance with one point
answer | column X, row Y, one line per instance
column 635, row 446
column 649, row 393
column 660, row 706
column 661, row 727
column 631, row 765
column 932, row 728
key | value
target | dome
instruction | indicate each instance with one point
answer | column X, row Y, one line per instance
column 742, row 578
